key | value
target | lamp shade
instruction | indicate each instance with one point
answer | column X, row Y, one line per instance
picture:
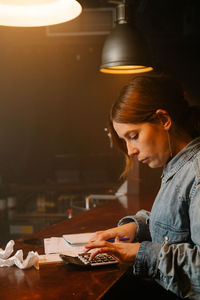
column 125, row 51
column 29, row 13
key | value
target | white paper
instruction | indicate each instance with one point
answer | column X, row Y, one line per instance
column 32, row 258
column 4, row 254
column 50, row 258
column 60, row 246
column 78, row 238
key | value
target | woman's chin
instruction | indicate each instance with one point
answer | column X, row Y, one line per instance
column 154, row 165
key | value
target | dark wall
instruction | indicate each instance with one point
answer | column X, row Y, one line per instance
column 53, row 101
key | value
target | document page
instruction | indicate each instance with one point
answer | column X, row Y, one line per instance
column 60, row 246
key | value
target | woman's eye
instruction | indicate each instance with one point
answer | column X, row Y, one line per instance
column 134, row 137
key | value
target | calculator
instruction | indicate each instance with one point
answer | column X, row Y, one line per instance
column 102, row 259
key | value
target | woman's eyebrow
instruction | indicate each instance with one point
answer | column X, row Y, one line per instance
column 127, row 133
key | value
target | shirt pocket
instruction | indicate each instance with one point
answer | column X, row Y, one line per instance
column 164, row 232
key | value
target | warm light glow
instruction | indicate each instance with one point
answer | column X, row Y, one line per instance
column 126, row 69
column 30, row 13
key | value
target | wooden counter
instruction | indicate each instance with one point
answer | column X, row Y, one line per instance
column 61, row 281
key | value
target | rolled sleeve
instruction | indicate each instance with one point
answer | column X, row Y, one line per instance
column 142, row 221
column 146, row 264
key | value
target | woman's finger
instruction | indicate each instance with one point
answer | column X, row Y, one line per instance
column 95, row 236
column 96, row 244
column 117, row 240
column 104, row 235
column 107, row 250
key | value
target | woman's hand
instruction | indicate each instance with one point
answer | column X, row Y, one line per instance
column 124, row 252
column 124, row 231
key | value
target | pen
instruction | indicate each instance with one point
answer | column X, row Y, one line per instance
column 121, row 239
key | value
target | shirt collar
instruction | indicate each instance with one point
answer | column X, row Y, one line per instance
column 181, row 158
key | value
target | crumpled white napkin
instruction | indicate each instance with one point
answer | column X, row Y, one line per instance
column 32, row 258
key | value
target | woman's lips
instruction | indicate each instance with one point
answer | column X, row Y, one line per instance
column 144, row 160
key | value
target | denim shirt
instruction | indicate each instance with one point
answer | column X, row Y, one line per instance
column 170, row 234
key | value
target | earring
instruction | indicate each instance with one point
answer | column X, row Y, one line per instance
column 170, row 145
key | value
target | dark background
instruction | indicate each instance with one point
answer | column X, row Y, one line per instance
column 54, row 101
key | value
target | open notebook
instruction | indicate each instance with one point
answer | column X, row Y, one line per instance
column 78, row 239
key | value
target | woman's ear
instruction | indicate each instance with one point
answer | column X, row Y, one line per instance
column 164, row 118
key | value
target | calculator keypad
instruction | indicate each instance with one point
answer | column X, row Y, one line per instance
column 99, row 259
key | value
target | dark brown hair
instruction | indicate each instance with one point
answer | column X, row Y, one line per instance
column 142, row 96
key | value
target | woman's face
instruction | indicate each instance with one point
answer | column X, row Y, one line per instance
column 148, row 141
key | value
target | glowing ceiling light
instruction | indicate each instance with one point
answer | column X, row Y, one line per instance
column 126, row 69
column 30, row 13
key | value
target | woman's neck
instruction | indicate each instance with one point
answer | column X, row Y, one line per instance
column 179, row 140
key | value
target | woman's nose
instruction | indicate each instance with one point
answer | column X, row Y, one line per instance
column 131, row 150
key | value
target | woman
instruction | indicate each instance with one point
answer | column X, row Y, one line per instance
column 152, row 121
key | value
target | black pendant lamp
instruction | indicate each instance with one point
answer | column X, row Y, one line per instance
column 125, row 50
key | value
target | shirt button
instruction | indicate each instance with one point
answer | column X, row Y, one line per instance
column 166, row 238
